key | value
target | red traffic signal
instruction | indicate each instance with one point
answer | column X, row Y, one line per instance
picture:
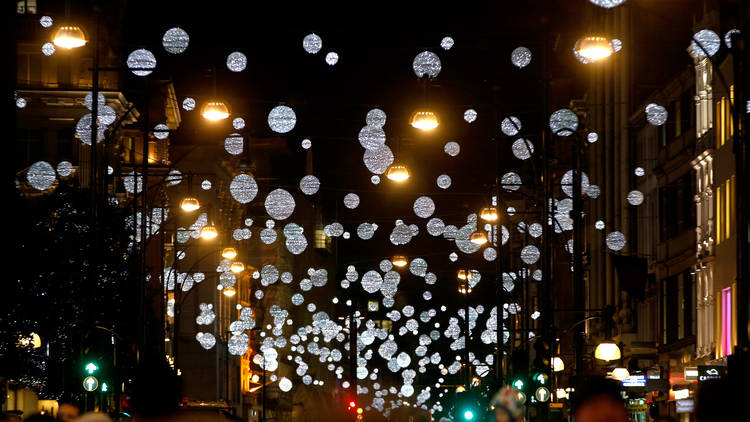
column 352, row 405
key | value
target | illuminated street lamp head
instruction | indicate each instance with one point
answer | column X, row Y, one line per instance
column 399, row 261
column 215, row 110
column 237, row 267
column 593, row 48
column 190, row 204
column 461, row 274
column 229, row 291
column 488, row 214
column 558, row 365
column 209, row 232
column 69, row 36
column 397, row 173
column 607, row 350
column 478, row 238
column 229, row 253
column 620, row 373
column 425, row 120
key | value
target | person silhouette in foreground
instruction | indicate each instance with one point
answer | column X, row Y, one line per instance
column 598, row 400
column 507, row 405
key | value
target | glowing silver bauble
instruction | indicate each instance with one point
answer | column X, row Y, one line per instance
column 426, row 63
column 141, row 62
column 41, row 175
column 175, row 40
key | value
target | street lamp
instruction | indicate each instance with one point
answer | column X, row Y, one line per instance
column 620, row 373
column 229, row 291
column 593, row 48
column 607, row 350
column 489, row 214
column 190, row 204
column 215, row 110
column 557, row 364
column 424, row 120
column 461, row 274
column 397, row 173
column 229, row 253
column 237, row 267
column 69, row 36
column 478, row 238
column 209, row 232
column 399, row 261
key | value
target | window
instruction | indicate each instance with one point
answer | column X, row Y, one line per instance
column 384, row 324
column 724, row 128
column 678, row 307
column 29, row 146
column 725, row 204
column 687, row 111
column 26, row 7
column 676, row 207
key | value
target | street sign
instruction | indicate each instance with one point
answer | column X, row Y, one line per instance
column 685, row 406
column 542, row 394
column 634, row 381
column 90, row 383
column 710, row 372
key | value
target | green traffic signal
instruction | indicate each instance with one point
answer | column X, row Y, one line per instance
column 91, row 368
column 541, row 378
column 519, row 384
column 468, row 415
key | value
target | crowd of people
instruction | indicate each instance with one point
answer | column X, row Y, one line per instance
column 597, row 400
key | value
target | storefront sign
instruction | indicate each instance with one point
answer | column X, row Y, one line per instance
column 634, row 381
column 685, row 406
column 691, row 374
column 710, row 372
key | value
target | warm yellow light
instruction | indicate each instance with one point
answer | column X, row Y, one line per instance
column 190, row 204
column 237, row 267
column 229, row 291
column 460, row 389
column 209, row 232
column 425, row 120
column 607, row 350
column 360, row 410
column 478, row 238
column 229, row 253
column 557, row 364
column 397, row 173
column 215, row 110
column 399, row 261
column 462, row 274
column 488, row 214
column 69, row 36
column 32, row 340
column 594, row 48
column 620, row 373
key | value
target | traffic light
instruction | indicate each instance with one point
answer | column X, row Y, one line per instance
column 540, row 378
column 351, row 405
column 543, row 355
column 519, row 383
column 467, row 407
column 520, row 370
column 90, row 368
